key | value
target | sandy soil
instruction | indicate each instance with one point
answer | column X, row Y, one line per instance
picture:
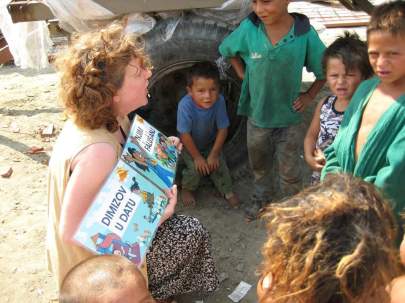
column 27, row 105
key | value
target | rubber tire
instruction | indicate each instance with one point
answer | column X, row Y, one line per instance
column 195, row 39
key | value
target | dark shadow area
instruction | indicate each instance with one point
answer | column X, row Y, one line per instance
column 29, row 113
column 23, row 148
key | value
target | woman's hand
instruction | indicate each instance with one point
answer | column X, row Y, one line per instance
column 176, row 142
column 171, row 206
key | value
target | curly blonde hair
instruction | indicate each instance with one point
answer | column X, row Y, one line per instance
column 333, row 242
column 92, row 70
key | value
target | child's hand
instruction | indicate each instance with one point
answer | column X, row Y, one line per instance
column 319, row 157
column 176, row 142
column 316, row 161
column 201, row 166
column 213, row 162
column 169, row 211
column 301, row 103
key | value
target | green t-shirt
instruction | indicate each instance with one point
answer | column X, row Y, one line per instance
column 273, row 73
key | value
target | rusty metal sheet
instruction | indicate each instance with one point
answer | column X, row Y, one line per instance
column 124, row 6
column 23, row 11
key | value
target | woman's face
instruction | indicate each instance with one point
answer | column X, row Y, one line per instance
column 134, row 90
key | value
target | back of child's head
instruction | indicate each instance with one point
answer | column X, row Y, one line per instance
column 203, row 69
column 100, row 277
column 352, row 52
column 333, row 242
column 388, row 17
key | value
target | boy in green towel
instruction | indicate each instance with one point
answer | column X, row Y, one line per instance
column 371, row 140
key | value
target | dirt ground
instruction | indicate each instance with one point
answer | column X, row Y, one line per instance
column 27, row 105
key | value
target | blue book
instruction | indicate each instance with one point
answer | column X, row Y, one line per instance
column 125, row 214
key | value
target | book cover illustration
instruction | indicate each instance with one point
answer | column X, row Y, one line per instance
column 125, row 214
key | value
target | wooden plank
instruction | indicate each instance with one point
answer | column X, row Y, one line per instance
column 5, row 55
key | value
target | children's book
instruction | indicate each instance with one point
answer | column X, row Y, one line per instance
column 124, row 216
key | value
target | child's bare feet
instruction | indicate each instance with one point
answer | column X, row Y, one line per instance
column 188, row 198
column 232, row 200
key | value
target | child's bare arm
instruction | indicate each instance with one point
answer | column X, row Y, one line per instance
column 213, row 157
column 238, row 66
column 306, row 98
column 310, row 140
column 199, row 161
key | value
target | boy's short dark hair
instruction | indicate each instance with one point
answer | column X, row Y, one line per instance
column 353, row 53
column 388, row 17
column 203, row 69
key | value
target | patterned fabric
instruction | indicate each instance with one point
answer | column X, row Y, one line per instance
column 179, row 260
column 330, row 120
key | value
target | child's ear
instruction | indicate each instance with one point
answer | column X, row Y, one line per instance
column 188, row 90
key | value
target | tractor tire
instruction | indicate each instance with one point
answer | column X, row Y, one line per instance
column 194, row 39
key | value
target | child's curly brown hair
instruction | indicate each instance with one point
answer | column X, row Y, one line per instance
column 92, row 70
column 333, row 242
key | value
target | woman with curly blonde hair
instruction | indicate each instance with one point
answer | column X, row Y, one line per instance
column 331, row 243
column 103, row 77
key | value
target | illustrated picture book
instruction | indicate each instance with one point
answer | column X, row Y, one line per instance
column 125, row 214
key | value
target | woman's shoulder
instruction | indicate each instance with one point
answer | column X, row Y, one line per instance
column 74, row 139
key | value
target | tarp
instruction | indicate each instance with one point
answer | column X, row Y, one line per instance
column 29, row 42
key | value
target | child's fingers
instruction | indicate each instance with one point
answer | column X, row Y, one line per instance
column 297, row 105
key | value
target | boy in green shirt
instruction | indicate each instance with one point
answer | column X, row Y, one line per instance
column 371, row 140
column 268, row 51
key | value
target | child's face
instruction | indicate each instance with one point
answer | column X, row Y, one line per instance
column 270, row 11
column 204, row 91
column 387, row 57
column 341, row 82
